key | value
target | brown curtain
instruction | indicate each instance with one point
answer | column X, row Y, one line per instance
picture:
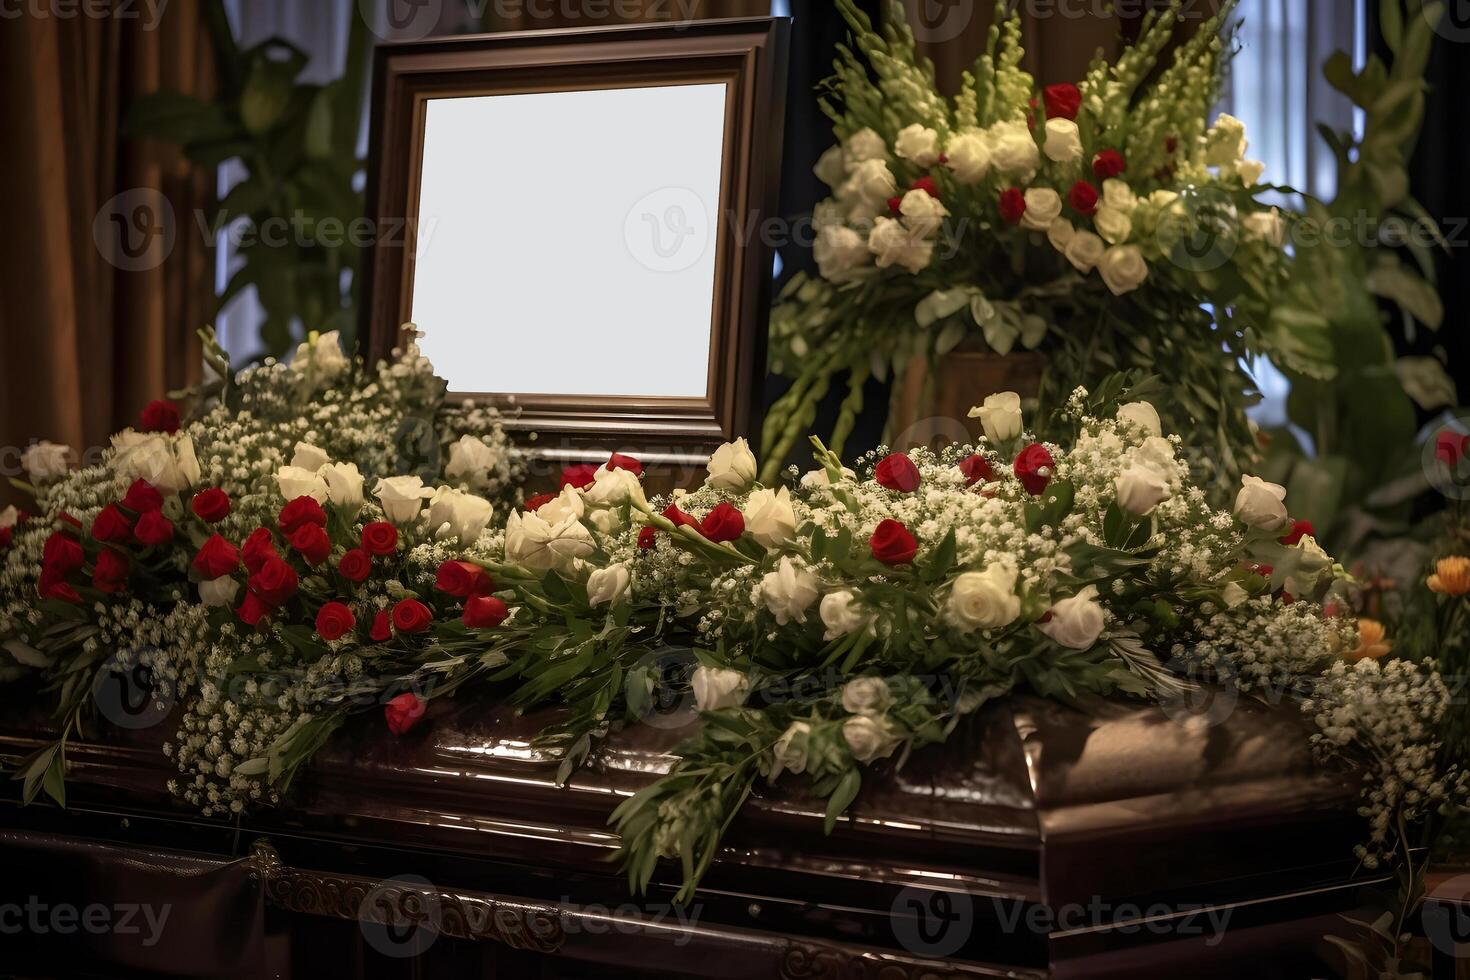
column 91, row 332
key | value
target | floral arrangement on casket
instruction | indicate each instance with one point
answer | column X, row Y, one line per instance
column 820, row 626
column 1104, row 221
column 123, row 567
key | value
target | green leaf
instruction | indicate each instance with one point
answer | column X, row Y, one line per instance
column 1393, row 280
column 1391, row 24
column 176, row 118
column 842, row 797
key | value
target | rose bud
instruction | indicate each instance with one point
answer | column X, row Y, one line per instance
column 257, row 548
column 1012, row 205
column 1109, row 163
column 403, row 712
column 302, row 510
column 897, row 472
column 159, row 416
column 54, row 586
column 411, row 616
column 61, row 554
column 112, row 526
column 679, row 518
column 380, row 538
column 647, row 538
column 892, row 544
column 143, row 497
column 462, row 579
column 216, row 558
column 1299, row 530
column 617, row 461
column 581, row 476
column 312, row 543
column 154, row 529
column 355, row 566
column 724, row 523
column 276, row 582
column 1034, row 468
column 533, row 504
column 976, row 469
column 111, row 571
column 252, row 610
column 334, row 621
column 211, row 506
column 382, row 630
column 484, row 612
column 1062, row 101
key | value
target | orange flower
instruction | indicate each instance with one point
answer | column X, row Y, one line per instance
column 1371, row 642
column 1451, row 576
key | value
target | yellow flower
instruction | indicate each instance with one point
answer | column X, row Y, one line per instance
column 1371, row 642
column 1451, row 576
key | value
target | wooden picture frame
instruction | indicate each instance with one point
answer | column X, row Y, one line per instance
column 748, row 57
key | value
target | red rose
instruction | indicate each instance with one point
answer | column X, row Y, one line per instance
column 1450, row 447
column 312, row 543
column 142, row 497
column 928, row 185
column 579, row 476
column 68, row 519
column 379, row 538
column 257, row 548
column 54, row 586
column 1062, row 101
column 217, row 558
column 1034, row 467
column 7, row 536
column 302, row 510
column 112, row 525
column 403, row 712
column 61, row 554
column 647, row 538
column 976, row 468
column 537, row 502
column 275, row 583
column 895, row 206
column 111, row 571
column 1108, row 164
column 334, row 621
column 1299, row 530
column 680, row 519
column 897, row 472
column 356, row 565
column 892, row 543
column 463, row 579
column 211, row 506
column 159, row 416
column 382, row 630
column 253, row 609
column 483, row 612
column 1083, row 198
column 411, row 616
column 154, row 529
column 1012, row 205
column 617, row 461
column 1171, row 144
column 724, row 523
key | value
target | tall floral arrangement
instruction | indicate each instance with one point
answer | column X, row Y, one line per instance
column 1106, row 222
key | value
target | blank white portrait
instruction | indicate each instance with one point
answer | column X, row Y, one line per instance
column 566, row 240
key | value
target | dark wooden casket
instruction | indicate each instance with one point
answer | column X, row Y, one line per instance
column 1041, row 841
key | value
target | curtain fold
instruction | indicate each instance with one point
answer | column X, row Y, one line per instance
column 91, row 333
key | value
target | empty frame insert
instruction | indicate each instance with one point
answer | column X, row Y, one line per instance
column 581, row 215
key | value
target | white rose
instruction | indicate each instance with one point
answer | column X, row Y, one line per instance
column 607, row 521
column 1158, row 452
column 218, row 592
column 309, row 457
column 922, row 212
column 402, row 497
column 868, row 738
column 984, row 600
column 568, row 503
column 455, row 513
column 1084, row 251
column 1117, row 194
column 167, row 462
column 894, row 244
column 614, row 488
column 1266, row 225
column 840, row 251
column 716, row 687
column 1043, row 206
column 864, row 145
column 918, row 144
column 1013, row 150
column 1000, row 414
column 1060, row 233
column 866, row 696
column 1063, row 141
column 1076, row 623
column 826, row 214
column 1140, row 489
column 470, row 460
column 45, row 461
column 1311, row 559
column 1123, row 269
column 344, row 486
column 819, row 478
column 607, row 585
column 732, row 467
column 968, row 157
column 1225, row 143
column 789, row 591
column 1112, row 224
column 1163, row 200
column 539, row 546
column 831, row 167
column 792, row 748
column 322, row 355
column 1250, row 172
column 1144, row 416
column 871, row 183
column 770, row 517
column 1233, row 595
column 843, row 615
column 1260, row 504
column 9, row 517
column 297, row 482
